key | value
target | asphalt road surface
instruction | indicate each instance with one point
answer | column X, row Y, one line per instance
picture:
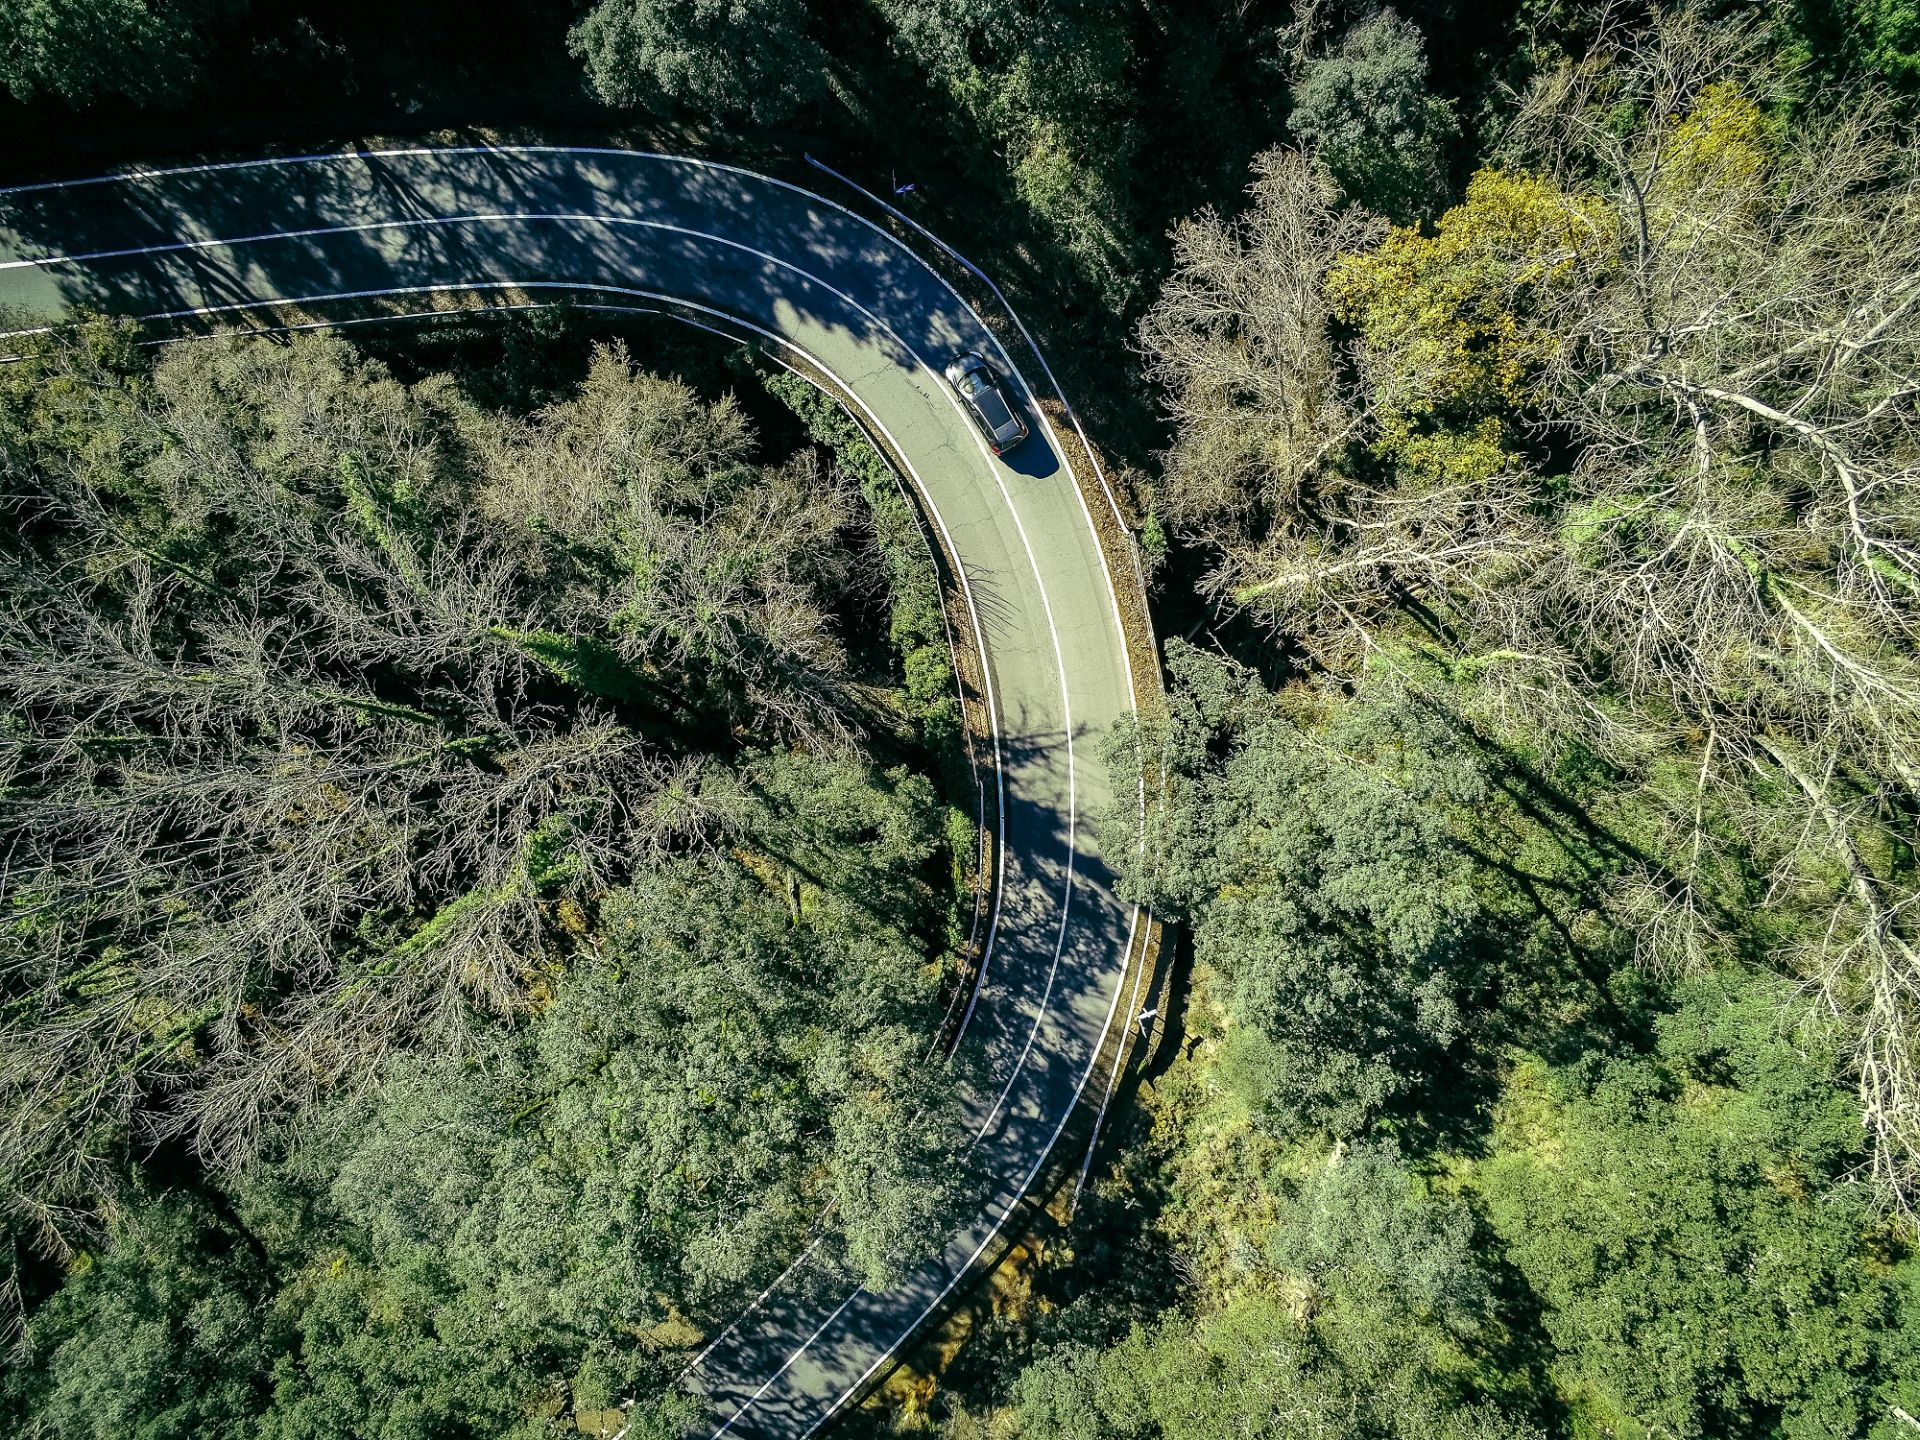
column 194, row 244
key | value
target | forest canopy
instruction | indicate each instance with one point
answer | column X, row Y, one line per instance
column 443, row 843
column 1545, row 820
column 483, row 865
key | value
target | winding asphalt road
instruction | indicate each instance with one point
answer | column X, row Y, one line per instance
column 193, row 245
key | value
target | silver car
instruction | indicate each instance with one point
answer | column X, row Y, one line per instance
column 979, row 388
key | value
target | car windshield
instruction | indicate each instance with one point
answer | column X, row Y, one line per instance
column 973, row 382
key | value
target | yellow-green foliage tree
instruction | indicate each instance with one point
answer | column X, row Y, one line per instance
column 1448, row 344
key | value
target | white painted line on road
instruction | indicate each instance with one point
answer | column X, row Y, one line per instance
column 805, row 1345
column 1112, row 504
column 418, row 222
column 756, row 1303
column 1113, row 1075
column 612, row 289
column 992, row 1234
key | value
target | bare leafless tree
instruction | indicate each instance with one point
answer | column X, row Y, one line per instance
column 307, row 752
column 1722, row 592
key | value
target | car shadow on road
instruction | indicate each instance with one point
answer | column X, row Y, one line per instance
column 1033, row 457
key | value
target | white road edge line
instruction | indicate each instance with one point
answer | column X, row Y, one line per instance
column 1012, row 1205
column 363, row 155
column 1113, row 504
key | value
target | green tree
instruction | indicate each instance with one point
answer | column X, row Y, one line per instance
column 1690, row 1221
column 1362, row 1230
column 1891, row 31
column 1252, row 1369
column 1842, row 38
column 1323, row 887
column 399, row 1352
column 1053, row 84
column 146, row 51
column 733, row 59
column 1365, row 109
column 160, row 1333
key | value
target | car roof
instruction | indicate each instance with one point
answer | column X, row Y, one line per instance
column 993, row 409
